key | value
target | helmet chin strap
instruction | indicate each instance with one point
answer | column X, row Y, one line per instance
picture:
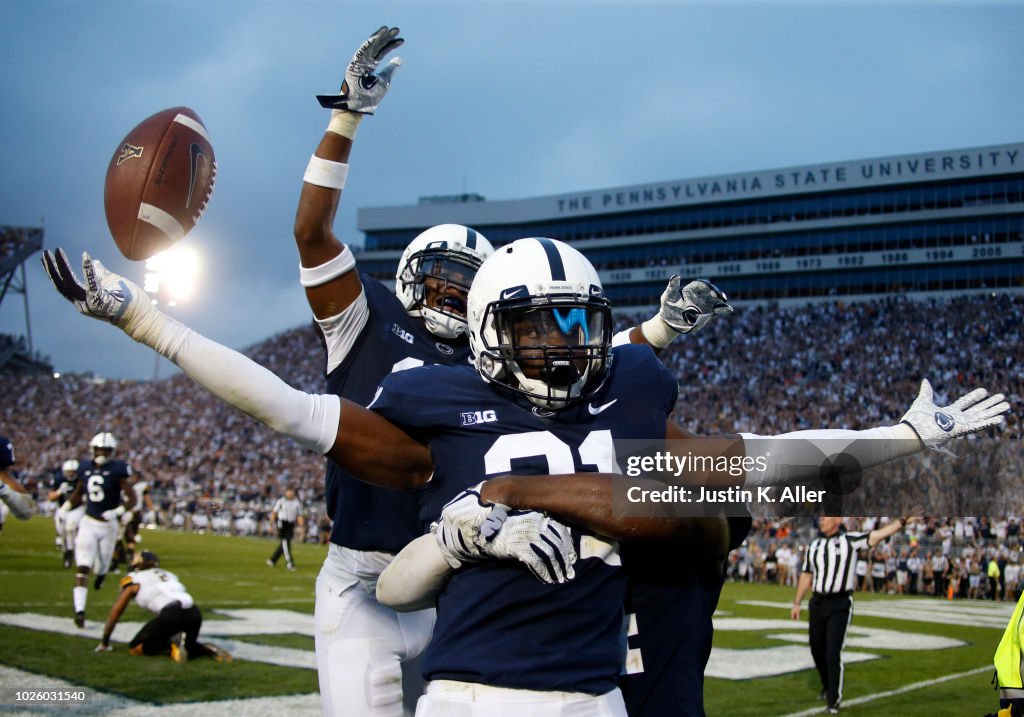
column 100, row 459
column 544, row 395
column 441, row 325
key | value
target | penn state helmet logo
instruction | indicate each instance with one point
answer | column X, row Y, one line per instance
column 944, row 421
column 128, row 151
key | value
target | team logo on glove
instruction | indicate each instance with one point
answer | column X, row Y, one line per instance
column 944, row 421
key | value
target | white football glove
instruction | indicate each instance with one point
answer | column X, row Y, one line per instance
column 936, row 425
column 538, row 541
column 128, row 517
column 105, row 295
column 458, row 530
column 113, row 513
column 363, row 87
column 689, row 309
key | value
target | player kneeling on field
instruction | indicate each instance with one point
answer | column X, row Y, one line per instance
column 176, row 614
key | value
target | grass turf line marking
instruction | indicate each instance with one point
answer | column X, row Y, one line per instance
column 892, row 693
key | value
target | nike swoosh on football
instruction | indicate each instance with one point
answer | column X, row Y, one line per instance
column 196, row 152
column 594, row 411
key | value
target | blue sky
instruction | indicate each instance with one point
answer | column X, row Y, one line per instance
column 506, row 99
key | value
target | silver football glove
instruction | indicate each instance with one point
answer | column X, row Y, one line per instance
column 690, row 308
column 471, row 530
column 538, row 541
column 937, row 425
column 105, row 295
column 458, row 530
column 364, row 87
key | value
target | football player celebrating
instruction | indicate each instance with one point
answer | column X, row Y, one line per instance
column 551, row 402
column 369, row 333
column 66, row 522
column 12, row 493
column 101, row 483
column 161, row 592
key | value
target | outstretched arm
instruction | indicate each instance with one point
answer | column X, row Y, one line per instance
column 361, row 441
column 877, row 535
column 326, row 265
column 797, row 456
column 15, row 496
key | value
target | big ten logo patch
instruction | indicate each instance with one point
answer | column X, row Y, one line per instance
column 473, row 418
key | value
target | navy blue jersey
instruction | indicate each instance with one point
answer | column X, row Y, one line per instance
column 671, row 597
column 496, row 624
column 102, row 485
column 366, row 517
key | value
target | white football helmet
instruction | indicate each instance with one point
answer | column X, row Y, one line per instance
column 70, row 467
column 539, row 324
column 103, row 446
column 449, row 255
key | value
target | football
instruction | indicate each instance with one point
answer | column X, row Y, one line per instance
column 159, row 182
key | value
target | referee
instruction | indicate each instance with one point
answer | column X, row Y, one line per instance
column 287, row 513
column 829, row 568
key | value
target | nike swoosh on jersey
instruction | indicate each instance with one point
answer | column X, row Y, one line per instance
column 598, row 409
column 195, row 151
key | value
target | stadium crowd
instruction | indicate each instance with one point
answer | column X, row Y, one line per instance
column 976, row 558
column 767, row 369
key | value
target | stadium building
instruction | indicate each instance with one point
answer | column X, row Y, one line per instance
column 948, row 222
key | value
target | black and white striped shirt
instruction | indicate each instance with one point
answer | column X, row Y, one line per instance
column 832, row 561
column 288, row 510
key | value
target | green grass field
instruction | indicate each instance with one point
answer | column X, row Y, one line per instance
column 230, row 574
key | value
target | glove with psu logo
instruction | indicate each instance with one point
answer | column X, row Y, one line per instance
column 938, row 425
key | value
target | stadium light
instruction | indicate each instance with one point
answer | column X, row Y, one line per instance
column 172, row 273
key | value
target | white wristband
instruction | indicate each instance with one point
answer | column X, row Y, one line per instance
column 344, row 123
column 657, row 332
column 325, row 173
column 330, row 269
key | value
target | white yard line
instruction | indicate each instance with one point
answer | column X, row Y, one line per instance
column 892, row 693
column 117, row 706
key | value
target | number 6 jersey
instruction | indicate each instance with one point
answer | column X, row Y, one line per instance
column 496, row 624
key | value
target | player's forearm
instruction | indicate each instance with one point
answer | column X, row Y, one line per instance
column 633, row 335
column 116, row 611
column 415, row 577
column 318, row 203
column 585, row 499
column 377, row 452
column 802, row 455
column 20, row 502
column 311, row 420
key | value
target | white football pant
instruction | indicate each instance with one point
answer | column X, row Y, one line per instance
column 362, row 646
column 448, row 698
column 94, row 544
